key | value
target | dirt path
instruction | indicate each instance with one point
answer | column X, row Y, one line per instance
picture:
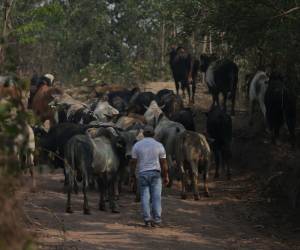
column 224, row 221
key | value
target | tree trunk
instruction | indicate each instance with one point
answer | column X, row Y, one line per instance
column 162, row 44
column 193, row 43
column 204, row 45
column 210, row 44
column 6, row 26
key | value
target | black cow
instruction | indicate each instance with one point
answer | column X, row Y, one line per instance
column 162, row 94
column 55, row 140
column 219, row 129
column 100, row 157
column 184, row 69
column 221, row 76
column 139, row 103
column 120, row 99
column 83, row 116
column 79, row 155
column 185, row 117
column 280, row 104
column 169, row 102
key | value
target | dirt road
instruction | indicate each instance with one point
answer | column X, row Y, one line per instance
column 227, row 220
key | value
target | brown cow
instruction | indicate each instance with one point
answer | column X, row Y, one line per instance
column 41, row 100
column 192, row 157
column 127, row 122
column 105, row 88
column 14, row 93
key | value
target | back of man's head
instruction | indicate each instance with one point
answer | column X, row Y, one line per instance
column 148, row 131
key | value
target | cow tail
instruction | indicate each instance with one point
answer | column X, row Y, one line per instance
column 234, row 78
column 70, row 164
column 207, row 154
column 179, row 141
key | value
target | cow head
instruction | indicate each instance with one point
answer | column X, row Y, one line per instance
column 130, row 138
column 50, row 77
column 204, row 62
column 152, row 113
column 103, row 109
column 87, row 116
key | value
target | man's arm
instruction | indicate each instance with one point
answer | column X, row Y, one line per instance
column 164, row 170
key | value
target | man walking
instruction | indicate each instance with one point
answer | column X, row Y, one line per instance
column 149, row 156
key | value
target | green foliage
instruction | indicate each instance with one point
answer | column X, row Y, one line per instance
column 127, row 41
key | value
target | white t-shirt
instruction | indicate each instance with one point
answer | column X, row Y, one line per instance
column 148, row 151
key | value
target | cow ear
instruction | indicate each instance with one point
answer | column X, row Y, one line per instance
column 120, row 143
column 39, row 131
column 161, row 115
column 210, row 140
column 55, row 95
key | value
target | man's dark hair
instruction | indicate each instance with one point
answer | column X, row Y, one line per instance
column 148, row 131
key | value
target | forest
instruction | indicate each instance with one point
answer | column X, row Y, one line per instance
column 90, row 43
column 118, row 41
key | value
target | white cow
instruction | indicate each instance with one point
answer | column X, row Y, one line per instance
column 104, row 110
column 257, row 90
column 24, row 147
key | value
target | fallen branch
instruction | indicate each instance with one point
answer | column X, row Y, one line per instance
column 285, row 13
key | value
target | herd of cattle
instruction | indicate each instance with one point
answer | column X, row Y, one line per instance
column 92, row 141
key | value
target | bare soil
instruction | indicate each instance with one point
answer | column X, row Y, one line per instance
column 235, row 217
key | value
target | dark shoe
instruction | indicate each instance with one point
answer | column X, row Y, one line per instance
column 69, row 210
column 86, row 211
column 148, row 224
column 156, row 224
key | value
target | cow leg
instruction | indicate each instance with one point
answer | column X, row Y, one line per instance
column 275, row 135
column 116, row 188
column 183, row 186
column 183, row 86
column 228, row 170
column 75, row 186
column 291, row 127
column 30, row 164
column 225, row 163
column 195, row 185
column 111, row 198
column 171, row 171
column 233, row 92
column 92, row 184
column 188, row 90
column 85, row 184
column 224, row 101
column 215, row 98
column 66, row 182
column 193, row 90
column 262, row 106
column 70, row 188
column 137, row 190
column 183, row 183
column 217, row 162
column 101, row 187
column 251, row 107
column 206, row 192
column 177, row 87
column 290, row 117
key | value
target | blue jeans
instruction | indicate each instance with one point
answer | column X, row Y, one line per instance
column 150, row 189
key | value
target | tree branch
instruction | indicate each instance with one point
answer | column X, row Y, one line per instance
column 285, row 13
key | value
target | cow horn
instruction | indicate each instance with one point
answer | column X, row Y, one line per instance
column 162, row 106
column 145, row 106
